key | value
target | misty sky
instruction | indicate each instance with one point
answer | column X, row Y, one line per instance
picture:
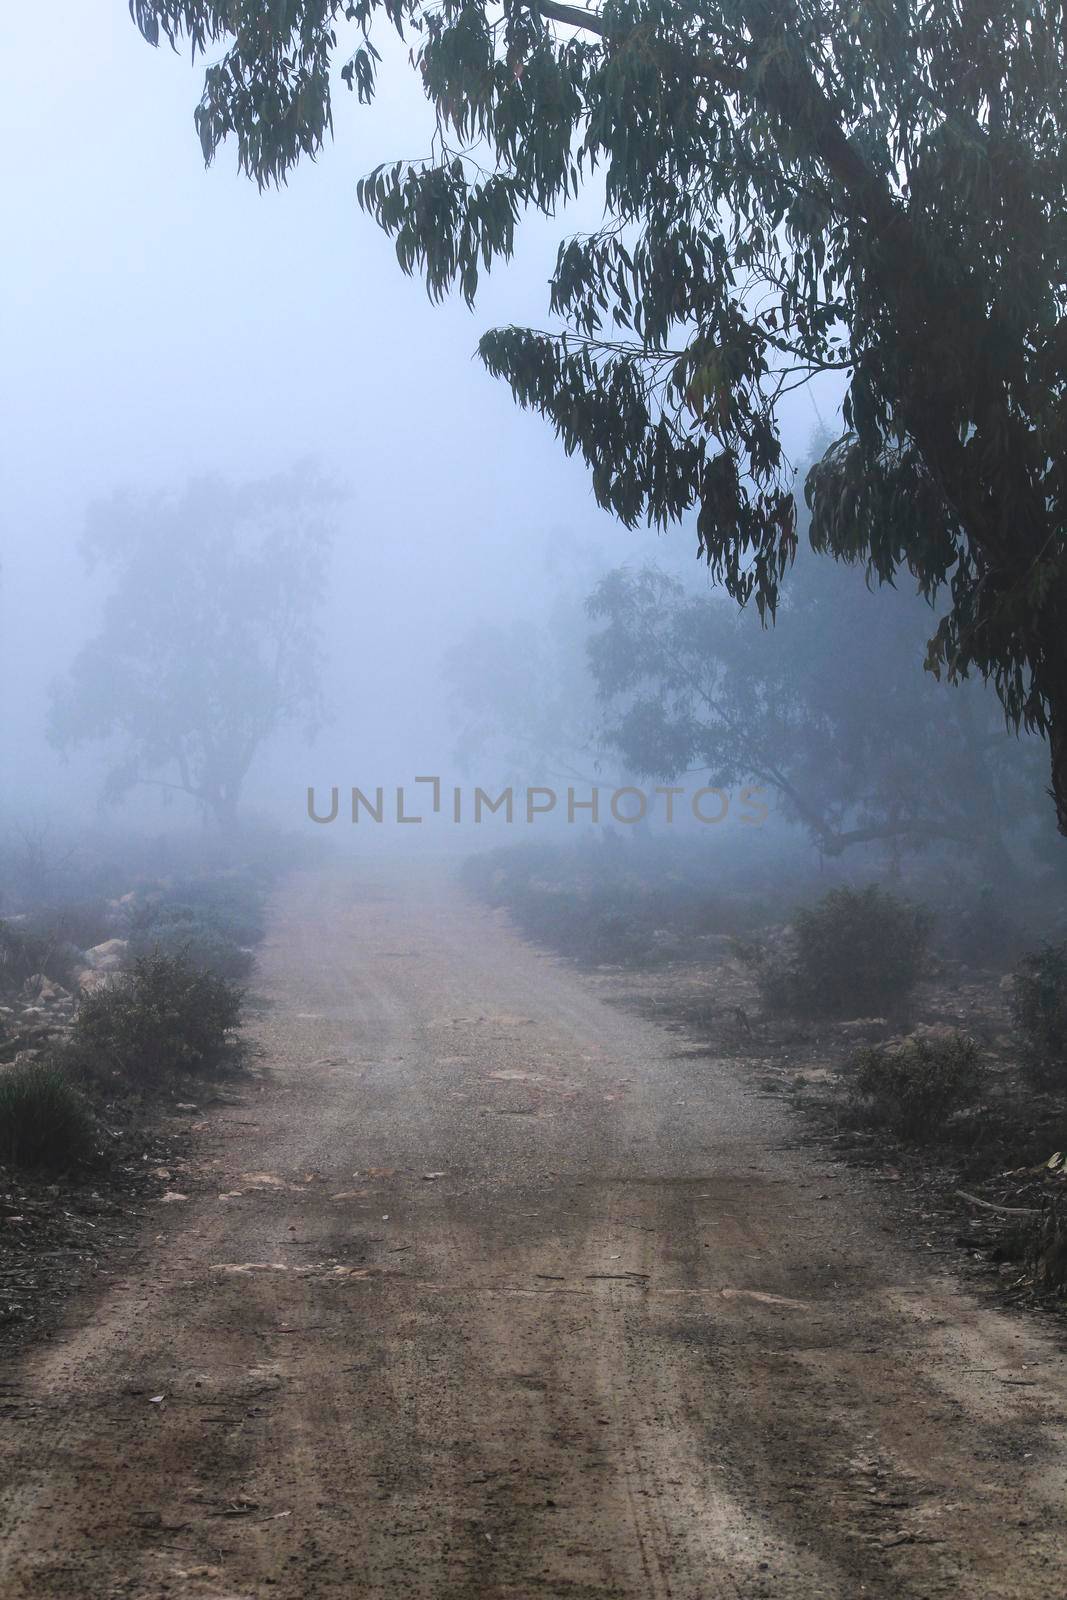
column 161, row 321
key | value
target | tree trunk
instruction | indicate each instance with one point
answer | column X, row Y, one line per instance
column 224, row 812
column 1054, row 687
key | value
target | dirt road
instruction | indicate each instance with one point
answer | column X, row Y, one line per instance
column 492, row 1291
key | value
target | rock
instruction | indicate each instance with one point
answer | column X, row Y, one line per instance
column 88, row 979
column 928, row 1032
column 867, row 1029
column 107, row 957
column 934, row 1031
column 44, row 992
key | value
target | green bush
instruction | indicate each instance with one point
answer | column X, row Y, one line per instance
column 1039, row 1007
column 164, row 1016
column 234, row 906
column 912, row 1087
column 857, row 952
column 211, row 921
column 203, row 944
column 44, row 1120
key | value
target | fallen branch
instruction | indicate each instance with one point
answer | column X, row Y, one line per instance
column 987, row 1205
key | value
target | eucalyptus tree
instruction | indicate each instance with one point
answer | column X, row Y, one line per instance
column 870, row 187
column 208, row 643
column 824, row 713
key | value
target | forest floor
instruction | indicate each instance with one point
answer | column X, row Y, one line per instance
column 484, row 1285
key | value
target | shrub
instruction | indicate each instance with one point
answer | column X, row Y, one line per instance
column 21, row 955
column 591, row 925
column 44, row 1120
column 1039, row 1007
column 857, row 952
column 77, row 923
column 203, row 944
column 619, row 900
column 211, row 921
column 980, row 932
column 910, row 1088
column 27, row 949
column 162, row 1017
column 233, row 905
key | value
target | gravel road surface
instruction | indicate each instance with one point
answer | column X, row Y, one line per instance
column 488, row 1289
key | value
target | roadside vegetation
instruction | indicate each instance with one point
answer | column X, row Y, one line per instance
column 1039, row 1008
column 108, row 1000
column 126, row 971
column 45, row 1120
column 603, row 902
column 854, row 952
column 912, row 1087
column 163, row 1018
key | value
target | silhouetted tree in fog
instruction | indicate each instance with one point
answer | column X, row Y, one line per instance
column 208, row 643
column 823, row 708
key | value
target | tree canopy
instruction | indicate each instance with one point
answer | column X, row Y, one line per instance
column 873, row 187
column 208, row 643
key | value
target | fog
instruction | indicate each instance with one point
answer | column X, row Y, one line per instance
column 164, row 322
column 533, row 1040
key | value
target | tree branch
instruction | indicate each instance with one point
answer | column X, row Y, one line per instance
column 572, row 16
column 717, row 72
